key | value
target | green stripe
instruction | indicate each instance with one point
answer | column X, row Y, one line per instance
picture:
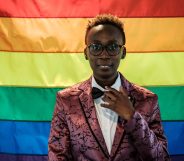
column 170, row 101
column 37, row 104
column 63, row 70
column 27, row 103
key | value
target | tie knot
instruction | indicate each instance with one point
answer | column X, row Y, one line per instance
column 96, row 93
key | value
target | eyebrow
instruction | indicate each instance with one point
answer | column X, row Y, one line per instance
column 109, row 42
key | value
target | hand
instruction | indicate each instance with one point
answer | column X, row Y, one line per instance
column 119, row 102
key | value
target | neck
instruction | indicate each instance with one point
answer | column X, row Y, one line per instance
column 104, row 82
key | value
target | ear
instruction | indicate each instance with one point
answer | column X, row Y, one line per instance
column 85, row 54
column 124, row 53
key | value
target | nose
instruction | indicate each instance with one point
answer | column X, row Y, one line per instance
column 104, row 53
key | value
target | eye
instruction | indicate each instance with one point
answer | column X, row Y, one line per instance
column 95, row 47
column 113, row 47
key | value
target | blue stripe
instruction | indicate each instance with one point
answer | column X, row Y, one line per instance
column 32, row 137
column 174, row 132
column 24, row 137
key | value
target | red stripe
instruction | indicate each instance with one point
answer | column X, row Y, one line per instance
column 90, row 8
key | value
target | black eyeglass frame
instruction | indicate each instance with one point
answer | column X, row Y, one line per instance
column 106, row 48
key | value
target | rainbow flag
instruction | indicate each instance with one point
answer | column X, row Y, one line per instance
column 41, row 52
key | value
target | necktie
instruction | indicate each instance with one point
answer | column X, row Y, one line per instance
column 96, row 93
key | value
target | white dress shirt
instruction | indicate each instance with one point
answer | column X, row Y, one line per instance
column 106, row 117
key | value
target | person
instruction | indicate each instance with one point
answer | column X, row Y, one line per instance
column 106, row 117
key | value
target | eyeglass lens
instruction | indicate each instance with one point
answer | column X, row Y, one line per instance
column 112, row 49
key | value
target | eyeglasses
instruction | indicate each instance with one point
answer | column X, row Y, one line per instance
column 112, row 49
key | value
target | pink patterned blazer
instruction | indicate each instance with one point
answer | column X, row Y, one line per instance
column 76, row 135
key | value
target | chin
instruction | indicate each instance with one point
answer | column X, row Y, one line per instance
column 106, row 75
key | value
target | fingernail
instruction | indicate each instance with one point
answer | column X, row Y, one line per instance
column 106, row 87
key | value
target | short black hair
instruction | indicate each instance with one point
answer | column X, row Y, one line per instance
column 106, row 19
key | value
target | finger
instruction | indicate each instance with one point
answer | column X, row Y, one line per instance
column 106, row 105
column 110, row 95
column 114, row 91
column 108, row 100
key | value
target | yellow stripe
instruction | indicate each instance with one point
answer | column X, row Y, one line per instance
column 67, row 35
column 62, row 70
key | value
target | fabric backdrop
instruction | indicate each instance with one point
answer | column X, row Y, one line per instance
column 41, row 52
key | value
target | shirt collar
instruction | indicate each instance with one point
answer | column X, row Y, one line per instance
column 116, row 85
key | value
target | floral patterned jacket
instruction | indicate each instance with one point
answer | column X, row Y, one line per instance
column 76, row 135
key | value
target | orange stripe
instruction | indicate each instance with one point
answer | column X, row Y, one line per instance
column 67, row 35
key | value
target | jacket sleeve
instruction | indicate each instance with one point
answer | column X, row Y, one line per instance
column 148, row 137
column 59, row 143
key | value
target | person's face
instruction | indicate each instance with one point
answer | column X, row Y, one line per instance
column 104, row 65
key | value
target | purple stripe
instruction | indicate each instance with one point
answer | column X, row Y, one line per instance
column 177, row 158
column 13, row 157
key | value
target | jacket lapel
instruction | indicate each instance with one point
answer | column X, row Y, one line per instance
column 88, row 108
column 119, row 134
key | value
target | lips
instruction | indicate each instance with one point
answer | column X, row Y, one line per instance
column 105, row 66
